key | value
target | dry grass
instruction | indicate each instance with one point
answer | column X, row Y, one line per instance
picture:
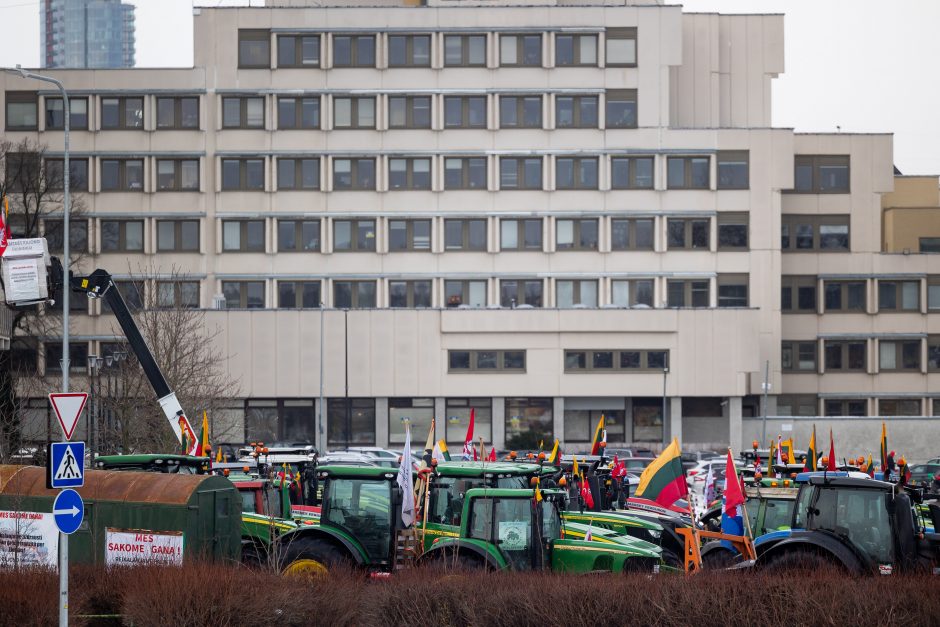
column 218, row 595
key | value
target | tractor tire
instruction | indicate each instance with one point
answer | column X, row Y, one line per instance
column 254, row 556
column 450, row 561
column 718, row 559
column 312, row 558
column 801, row 560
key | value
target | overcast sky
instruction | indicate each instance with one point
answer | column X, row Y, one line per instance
column 862, row 65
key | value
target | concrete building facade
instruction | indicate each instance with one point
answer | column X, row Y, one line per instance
column 544, row 212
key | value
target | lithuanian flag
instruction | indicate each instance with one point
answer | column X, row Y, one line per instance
column 884, row 447
column 554, row 458
column 599, row 436
column 663, row 480
column 811, row 455
column 202, row 449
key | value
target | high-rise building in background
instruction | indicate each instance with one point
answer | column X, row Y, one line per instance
column 86, row 33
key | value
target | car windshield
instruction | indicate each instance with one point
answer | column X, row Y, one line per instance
column 857, row 514
column 363, row 507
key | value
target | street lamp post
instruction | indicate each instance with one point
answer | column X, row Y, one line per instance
column 665, row 372
column 66, row 111
column 320, row 409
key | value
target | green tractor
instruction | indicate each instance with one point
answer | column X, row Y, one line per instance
column 360, row 527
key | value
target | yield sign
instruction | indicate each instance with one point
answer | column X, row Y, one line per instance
column 68, row 407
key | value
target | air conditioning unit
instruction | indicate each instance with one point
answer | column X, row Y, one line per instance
column 218, row 301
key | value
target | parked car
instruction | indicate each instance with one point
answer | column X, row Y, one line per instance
column 344, row 458
column 637, row 464
column 623, row 453
column 690, row 459
column 924, row 473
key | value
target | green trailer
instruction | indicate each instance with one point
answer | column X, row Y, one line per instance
column 130, row 517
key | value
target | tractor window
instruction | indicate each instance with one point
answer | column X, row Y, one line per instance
column 803, row 500
column 248, row 501
column 513, row 483
column 513, row 519
column 551, row 521
column 447, row 497
column 860, row 516
column 481, row 520
column 777, row 514
column 753, row 508
column 362, row 507
column 272, row 501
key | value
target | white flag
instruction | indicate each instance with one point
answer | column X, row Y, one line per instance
column 406, row 483
column 588, row 536
column 709, row 493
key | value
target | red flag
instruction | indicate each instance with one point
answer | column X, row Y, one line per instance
column 733, row 494
column 469, row 452
column 831, row 465
column 492, row 456
column 4, row 236
column 586, row 493
column 619, row 470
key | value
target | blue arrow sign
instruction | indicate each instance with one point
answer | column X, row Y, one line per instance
column 68, row 511
column 67, row 465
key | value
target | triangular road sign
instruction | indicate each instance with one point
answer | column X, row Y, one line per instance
column 68, row 407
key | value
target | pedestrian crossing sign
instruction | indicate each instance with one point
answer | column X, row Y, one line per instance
column 66, row 465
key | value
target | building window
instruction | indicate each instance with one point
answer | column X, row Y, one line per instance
column 280, row 420
column 21, row 171
column 520, row 112
column 465, row 293
column 576, row 234
column 798, row 356
column 688, row 233
column 796, row 405
column 846, row 355
column 814, row 233
column 243, row 236
column 631, row 172
column 821, row 174
column 178, row 112
column 22, row 110
column 577, row 361
column 354, row 235
column 687, row 172
column 732, row 290
column 465, row 50
column 465, row 173
column 298, row 236
column 486, row 360
column 520, row 50
column 350, row 422
column 354, row 174
column 844, row 296
column 178, row 175
column 899, row 355
column 353, row 51
column 528, row 422
column 178, row 235
column 933, row 354
column 354, row 294
column 178, row 294
column 797, row 294
column 579, row 423
column 77, row 304
column 122, row 175
column 632, row 292
column 254, row 48
column 576, row 112
column 899, row 407
column 243, row 294
column 687, row 293
column 298, row 174
column 465, row 112
column 733, row 169
column 409, row 112
column 409, row 294
column 243, row 112
column 933, row 293
column 409, row 51
column 78, row 235
column 631, row 234
column 298, row 294
column 517, row 292
column 732, row 231
column 620, row 49
column 411, row 173
column 647, row 419
column 520, row 234
column 122, row 113
column 354, row 112
column 132, row 292
column 898, row 295
column 575, row 50
column 465, row 234
column 78, row 120
column 621, row 109
column 417, row 413
column 243, row 174
column 78, row 357
column 520, row 173
column 845, row 407
column 458, row 419
column 929, row 245
column 298, row 51
column 405, row 235
column 580, row 294
column 576, row 173
column 122, row 236
column 301, row 113
column 55, row 174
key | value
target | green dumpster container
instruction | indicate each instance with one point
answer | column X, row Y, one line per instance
column 130, row 518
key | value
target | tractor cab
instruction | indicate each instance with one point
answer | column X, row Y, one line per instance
column 173, row 464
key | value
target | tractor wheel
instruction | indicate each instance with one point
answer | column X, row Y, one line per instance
column 800, row 560
column 449, row 560
column 312, row 557
column 718, row 559
column 253, row 556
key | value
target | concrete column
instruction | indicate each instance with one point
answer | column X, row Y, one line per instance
column 558, row 420
column 440, row 419
column 674, row 418
column 499, row 422
column 381, row 424
column 735, row 435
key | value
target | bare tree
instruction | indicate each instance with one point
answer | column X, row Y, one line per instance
column 33, row 185
column 187, row 351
